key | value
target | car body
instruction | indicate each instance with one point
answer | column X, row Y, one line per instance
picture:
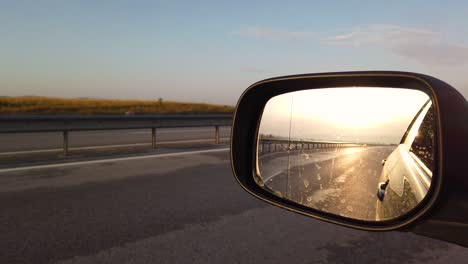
column 407, row 172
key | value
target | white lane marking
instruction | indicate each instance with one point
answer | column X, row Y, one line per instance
column 76, row 163
column 107, row 146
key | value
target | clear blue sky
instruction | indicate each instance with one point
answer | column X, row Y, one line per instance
column 210, row 51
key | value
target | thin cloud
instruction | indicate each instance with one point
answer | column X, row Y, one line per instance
column 273, row 34
column 378, row 34
column 424, row 46
column 421, row 45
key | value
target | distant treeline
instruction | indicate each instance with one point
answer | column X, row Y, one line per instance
column 59, row 106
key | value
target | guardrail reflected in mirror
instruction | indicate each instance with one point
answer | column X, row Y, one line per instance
column 362, row 153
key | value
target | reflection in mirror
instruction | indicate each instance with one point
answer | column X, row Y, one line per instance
column 362, row 153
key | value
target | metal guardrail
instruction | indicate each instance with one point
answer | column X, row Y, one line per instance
column 269, row 145
column 65, row 124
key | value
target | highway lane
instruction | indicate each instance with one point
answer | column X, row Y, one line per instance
column 342, row 181
column 177, row 209
column 13, row 142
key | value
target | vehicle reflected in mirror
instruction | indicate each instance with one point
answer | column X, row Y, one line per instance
column 362, row 153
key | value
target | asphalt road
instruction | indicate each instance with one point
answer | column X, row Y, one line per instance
column 176, row 208
column 342, row 181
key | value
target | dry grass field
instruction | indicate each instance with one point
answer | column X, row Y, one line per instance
column 59, row 106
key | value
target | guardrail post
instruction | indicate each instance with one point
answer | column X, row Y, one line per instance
column 65, row 142
column 153, row 137
column 216, row 134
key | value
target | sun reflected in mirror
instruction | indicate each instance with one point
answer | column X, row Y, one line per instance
column 349, row 107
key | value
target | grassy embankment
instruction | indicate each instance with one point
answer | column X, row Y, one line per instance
column 59, row 106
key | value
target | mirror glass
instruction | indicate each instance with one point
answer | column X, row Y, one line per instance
column 364, row 153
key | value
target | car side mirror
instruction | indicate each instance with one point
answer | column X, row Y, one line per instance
column 370, row 150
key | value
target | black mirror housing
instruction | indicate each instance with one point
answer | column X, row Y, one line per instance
column 444, row 208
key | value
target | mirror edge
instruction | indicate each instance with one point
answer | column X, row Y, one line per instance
column 248, row 113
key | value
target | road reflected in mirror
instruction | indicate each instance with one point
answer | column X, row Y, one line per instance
column 362, row 153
